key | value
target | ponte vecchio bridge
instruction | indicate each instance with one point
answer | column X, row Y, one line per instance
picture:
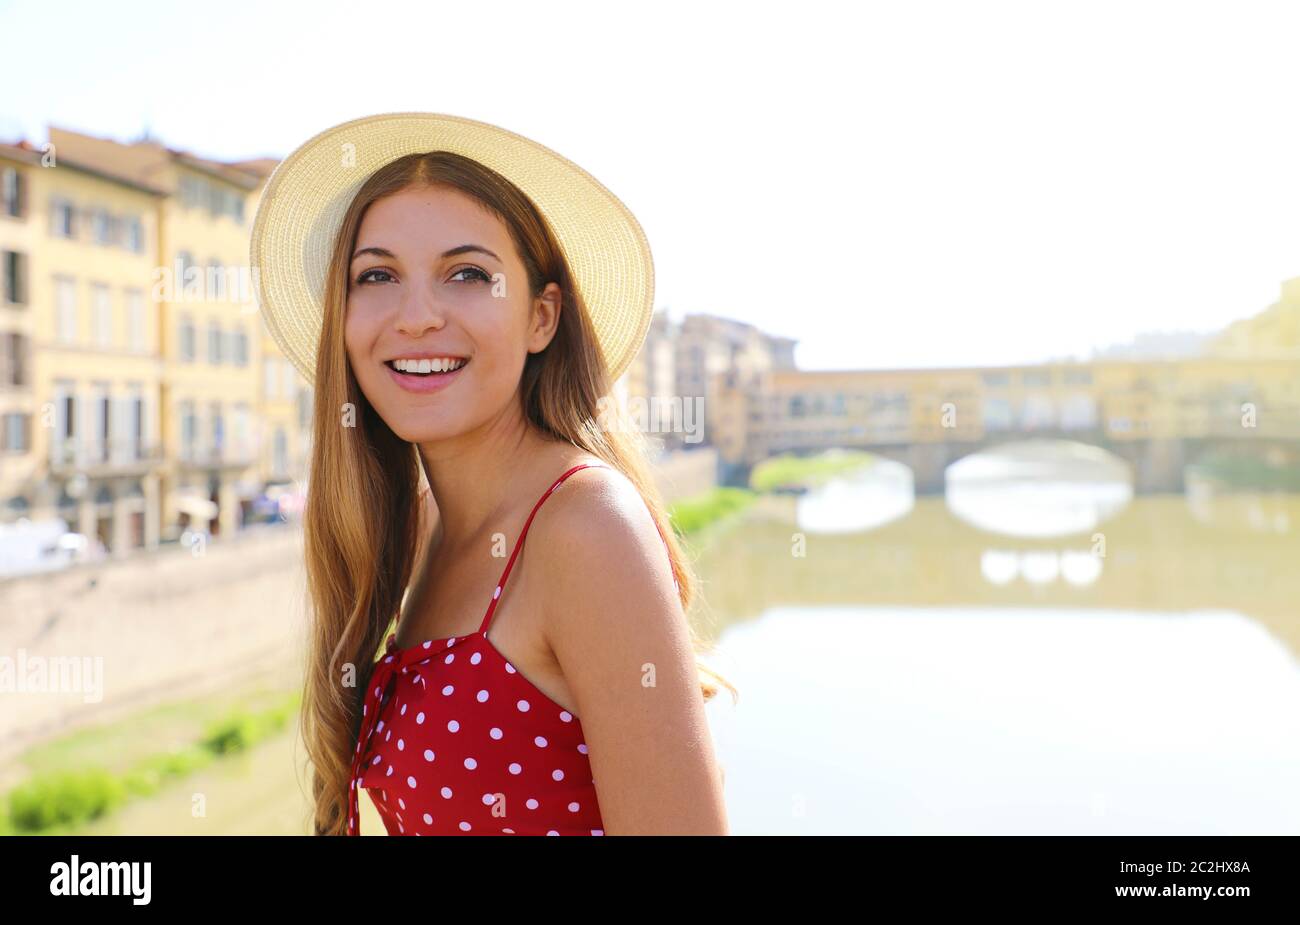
column 1158, row 415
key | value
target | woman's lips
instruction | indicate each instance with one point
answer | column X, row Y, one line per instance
column 431, row 382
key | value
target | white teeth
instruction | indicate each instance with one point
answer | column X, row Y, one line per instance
column 437, row 365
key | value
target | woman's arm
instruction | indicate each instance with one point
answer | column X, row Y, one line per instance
column 616, row 627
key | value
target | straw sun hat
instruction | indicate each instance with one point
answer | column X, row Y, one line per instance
column 303, row 204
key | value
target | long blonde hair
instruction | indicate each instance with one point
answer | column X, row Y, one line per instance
column 361, row 515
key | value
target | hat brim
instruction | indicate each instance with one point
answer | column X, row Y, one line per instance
column 308, row 193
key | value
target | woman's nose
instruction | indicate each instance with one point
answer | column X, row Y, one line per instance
column 419, row 311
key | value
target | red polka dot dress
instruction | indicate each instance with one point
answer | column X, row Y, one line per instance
column 455, row 741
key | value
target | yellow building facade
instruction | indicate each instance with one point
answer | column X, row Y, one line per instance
column 94, row 458
column 140, row 393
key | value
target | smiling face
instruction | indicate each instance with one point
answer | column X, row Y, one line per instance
column 439, row 318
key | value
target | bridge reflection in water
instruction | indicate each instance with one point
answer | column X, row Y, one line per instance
column 1135, row 669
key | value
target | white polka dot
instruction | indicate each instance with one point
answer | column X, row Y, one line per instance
column 557, row 774
column 419, row 718
column 453, row 726
column 515, row 767
column 410, row 782
column 573, row 807
column 376, row 761
column 390, row 771
column 510, row 831
column 403, row 711
column 464, row 826
column 582, row 747
column 540, row 741
column 446, row 793
column 401, row 745
column 597, row 831
column 510, row 669
column 476, row 658
column 566, row 716
column 428, row 820
column 488, row 799
column 482, row 696
column 497, row 593
column 495, row 733
column 523, row 706
column 471, row 764
column 427, row 643
column 552, row 832
column 532, row 804
column 428, row 754
column 388, row 735
column 451, row 656
column 446, row 691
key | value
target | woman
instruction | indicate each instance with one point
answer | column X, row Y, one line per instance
column 462, row 299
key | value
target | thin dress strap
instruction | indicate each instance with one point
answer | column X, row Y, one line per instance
column 496, row 595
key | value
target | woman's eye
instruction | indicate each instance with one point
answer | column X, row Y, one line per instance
column 364, row 277
column 476, row 271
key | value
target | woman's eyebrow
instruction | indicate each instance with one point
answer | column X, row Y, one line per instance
column 454, row 252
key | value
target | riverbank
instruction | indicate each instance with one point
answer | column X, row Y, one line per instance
column 791, row 471
column 81, row 780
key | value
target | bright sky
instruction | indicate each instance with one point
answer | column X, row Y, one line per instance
column 902, row 184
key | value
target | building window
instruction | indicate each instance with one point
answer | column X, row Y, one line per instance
column 63, row 447
column 101, row 313
column 216, row 281
column 137, row 425
column 218, row 431
column 239, row 343
column 65, row 292
column 13, row 193
column 13, row 359
column 135, row 320
column 242, row 417
column 15, row 277
column 304, row 408
column 185, row 264
column 189, row 429
column 17, row 432
column 192, row 191
column 134, row 229
column 186, row 338
column 103, row 431
column 271, row 367
column 280, row 461
column 214, row 342
column 101, row 229
column 63, row 221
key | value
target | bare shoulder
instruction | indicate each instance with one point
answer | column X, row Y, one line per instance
column 600, row 540
column 614, row 621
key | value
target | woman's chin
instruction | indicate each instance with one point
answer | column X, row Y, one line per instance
column 421, row 432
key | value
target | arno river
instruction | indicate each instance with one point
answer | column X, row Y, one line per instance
column 1031, row 653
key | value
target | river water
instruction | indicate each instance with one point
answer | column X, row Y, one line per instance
column 1033, row 652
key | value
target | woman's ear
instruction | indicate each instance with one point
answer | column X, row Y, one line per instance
column 546, row 317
